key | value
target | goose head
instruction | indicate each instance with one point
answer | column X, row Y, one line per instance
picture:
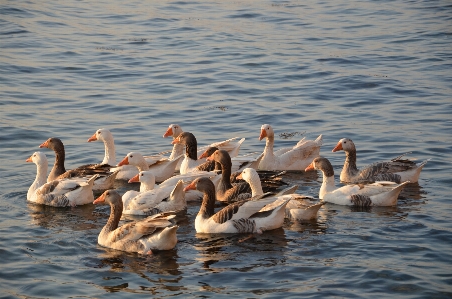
column 173, row 130
column 186, row 138
column 202, row 184
column 102, row 135
column 53, row 143
column 344, row 144
column 249, row 175
column 146, row 177
column 132, row 158
column 266, row 131
column 208, row 152
column 38, row 158
column 110, row 197
column 322, row 164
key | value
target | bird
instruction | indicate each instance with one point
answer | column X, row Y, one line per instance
column 396, row 170
column 59, row 192
column 152, row 233
column 296, row 158
column 105, row 178
column 382, row 193
column 190, row 161
column 147, row 182
column 239, row 217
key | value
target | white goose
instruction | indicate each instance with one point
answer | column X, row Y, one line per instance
column 299, row 207
column 396, row 170
column 190, row 162
column 153, row 233
column 239, row 217
column 296, row 158
column 147, row 183
column 157, row 201
column 162, row 170
column 126, row 172
column 104, row 180
column 376, row 194
column 57, row 193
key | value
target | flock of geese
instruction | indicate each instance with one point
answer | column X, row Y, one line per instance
column 240, row 193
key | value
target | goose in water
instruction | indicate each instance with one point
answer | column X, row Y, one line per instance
column 396, row 170
column 104, row 180
column 297, row 158
column 153, row 233
column 377, row 194
column 59, row 192
column 239, row 217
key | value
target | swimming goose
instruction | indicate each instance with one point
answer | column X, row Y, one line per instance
column 157, row 201
column 299, row 206
column 162, row 170
column 153, row 233
column 104, row 180
column 377, row 194
column 295, row 159
column 239, row 217
column 190, row 161
column 238, row 162
column 225, row 191
column 147, row 182
column 57, row 193
column 397, row 170
column 126, row 172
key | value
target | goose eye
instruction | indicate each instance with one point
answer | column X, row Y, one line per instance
column 99, row 132
column 131, row 156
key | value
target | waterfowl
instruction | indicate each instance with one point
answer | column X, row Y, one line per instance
column 238, row 162
column 190, row 161
column 126, row 172
column 105, row 178
column 162, row 170
column 299, row 206
column 376, row 194
column 296, row 158
column 153, row 233
column 157, row 201
column 396, row 170
column 147, row 182
column 239, row 217
column 59, row 192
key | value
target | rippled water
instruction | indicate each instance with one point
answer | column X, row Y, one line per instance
column 378, row 72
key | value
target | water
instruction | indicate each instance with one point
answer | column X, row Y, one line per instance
column 377, row 72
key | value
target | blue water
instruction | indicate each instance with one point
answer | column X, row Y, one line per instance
column 377, row 72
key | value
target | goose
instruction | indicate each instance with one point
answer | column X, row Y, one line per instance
column 147, row 182
column 238, row 162
column 105, row 178
column 377, row 194
column 230, row 145
column 296, row 158
column 153, row 233
column 190, row 161
column 59, row 192
column 299, row 207
column 157, row 201
column 162, row 170
column 396, row 170
column 239, row 217
column 126, row 172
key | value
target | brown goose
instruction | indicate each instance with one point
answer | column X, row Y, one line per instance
column 239, row 217
column 105, row 178
column 396, row 170
column 153, row 233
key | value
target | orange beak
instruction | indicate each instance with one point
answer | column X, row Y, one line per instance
column 239, row 177
column 92, row 138
column 45, row 143
column 175, row 141
column 204, row 155
column 124, row 161
column 168, row 132
column 310, row 167
column 338, row 147
column 191, row 186
column 100, row 199
column 29, row 159
column 135, row 179
column 263, row 134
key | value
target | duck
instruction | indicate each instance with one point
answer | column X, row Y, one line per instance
column 104, row 180
column 397, row 170
column 383, row 193
column 157, row 201
column 231, row 145
column 297, row 158
column 147, row 182
column 298, row 208
column 145, row 236
column 59, row 192
column 162, row 170
column 126, row 172
column 239, row 217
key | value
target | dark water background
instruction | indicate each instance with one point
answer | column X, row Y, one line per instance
column 378, row 72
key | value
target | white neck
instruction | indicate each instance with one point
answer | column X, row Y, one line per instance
column 178, row 149
column 269, row 142
column 146, row 186
column 255, row 184
column 110, row 155
column 41, row 179
column 142, row 164
column 327, row 186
